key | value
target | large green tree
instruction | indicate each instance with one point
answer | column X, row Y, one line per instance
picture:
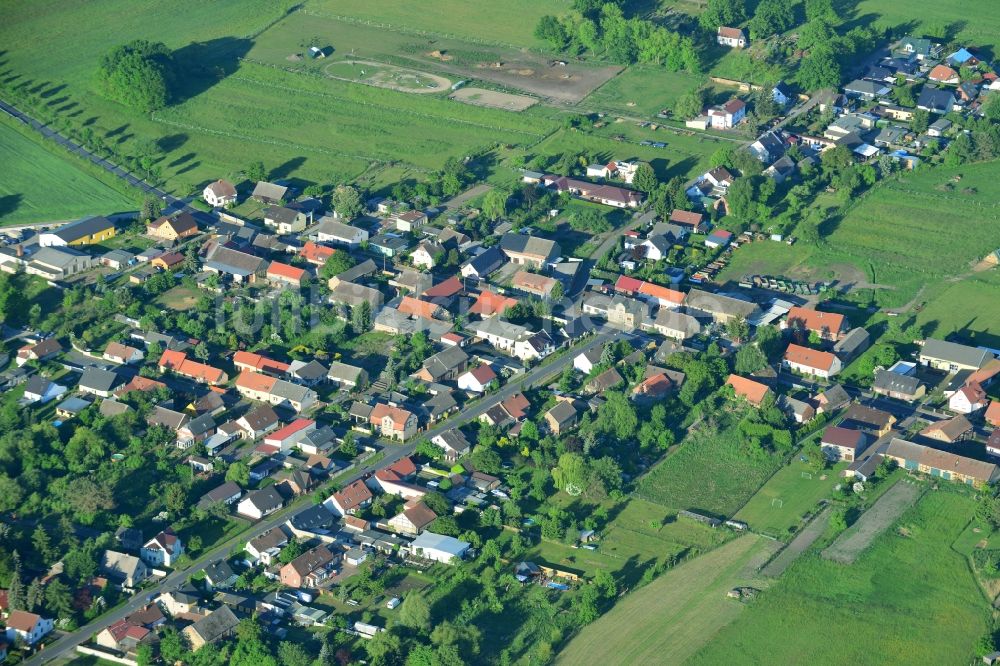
column 139, row 74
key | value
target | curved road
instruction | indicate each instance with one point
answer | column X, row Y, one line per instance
column 64, row 646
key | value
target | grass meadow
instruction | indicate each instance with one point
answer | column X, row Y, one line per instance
column 40, row 186
column 799, row 490
column 642, row 91
column 920, row 16
column 710, row 472
column 910, row 598
column 675, row 615
column 511, row 22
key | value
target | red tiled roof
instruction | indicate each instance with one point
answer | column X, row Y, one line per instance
column 398, row 415
column 181, row 364
column 754, row 392
column 140, row 383
column 22, row 620
column 353, row 495
column 517, row 406
column 445, row 289
column 844, row 437
column 315, row 253
column 254, row 381
column 810, row 358
column 686, row 217
column 628, row 285
column 289, row 430
column 286, row 272
column 815, row 320
column 654, row 385
column 730, row 33
column 992, row 414
column 258, row 362
column 484, row 374
column 490, row 303
column 662, row 293
column 417, row 308
column 398, row 471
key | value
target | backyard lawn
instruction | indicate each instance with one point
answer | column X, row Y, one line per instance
column 792, row 492
column 910, row 598
column 43, row 186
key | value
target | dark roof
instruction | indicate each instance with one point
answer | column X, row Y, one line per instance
column 223, row 492
column 868, row 416
column 312, row 519
column 216, row 624
column 896, row 383
column 98, row 379
column 844, row 437
column 265, row 499
column 228, row 260
column 486, row 262
column 530, row 245
column 261, row 417
column 280, row 214
column 81, row 228
column 935, row 99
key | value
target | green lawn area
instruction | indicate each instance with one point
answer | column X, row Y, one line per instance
column 41, row 186
column 669, row 619
column 642, row 91
column 511, row 22
column 907, row 599
column 958, row 309
column 710, row 472
column 921, row 15
column 213, row 531
column 798, row 490
column 179, row 298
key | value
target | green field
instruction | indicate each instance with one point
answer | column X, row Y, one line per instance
column 958, row 309
column 642, row 91
column 906, row 600
column 921, row 15
column 710, row 472
column 41, row 186
column 511, row 22
column 671, row 618
column 797, row 495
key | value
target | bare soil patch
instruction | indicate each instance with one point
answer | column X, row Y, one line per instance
column 494, row 99
column 805, row 538
column 382, row 75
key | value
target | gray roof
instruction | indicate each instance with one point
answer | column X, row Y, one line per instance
column 98, row 379
column 265, row 190
column 344, row 372
column 717, row 303
column 57, row 257
column 216, row 624
column 954, row 352
column 486, row 262
column 562, row 412
column 445, row 361
column 446, row 544
column 677, row 321
column 228, row 260
column 498, row 327
column 280, row 214
column 331, row 227
column 291, row 391
column 896, row 383
column 366, row 267
column 73, row 405
column 223, row 492
column 455, row 440
column 939, row 100
column 850, row 343
column 531, row 245
column 308, row 371
column 313, row 518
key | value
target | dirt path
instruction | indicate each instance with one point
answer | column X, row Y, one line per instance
column 874, row 522
column 471, row 193
column 441, row 84
column 805, row 538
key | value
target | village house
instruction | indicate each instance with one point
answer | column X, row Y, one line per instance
column 992, row 414
column 124, row 636
column 220, row 193
column 347, row 377
column 239, row 266
column 534, row 284
column 722, row 309
column 286, row 438
column 478, row 379
column 287, row 220
column 562, row 417
column 269, row 193
column 338, row 233
column 88, row 231
column 627, row 313
column 29, row 628
column 58, row 263
column 413, row 519
column 126, row 570
column 842, row 443
column 945, row 465
column 439, row 548
column 827, row 325
column 968, row 399
column 178, row 227
column 162, row 550
column 898, row 386
column 41, row 390
column 948, row 431
column 121, row 354
column 315, row 254
column 731, row 37
column 852, row 344
column 751, row 391
column 42, row 350
column 220, row 623
column 811, row 362
column 446, row 365
column 483, row 264
column 427, row 254
column 393, row 422
column 99, row 382
column 453, row 443
column 228, row 493
column 307, row 373
column 534, row 251
column 260, row 503
column 674, row 325
column 309, row 569
column 258, row 422
column 280, row 275
column 349, row 499
column 178, row 362
column 266, row 547
column 408, row 221
column 277, row 392
column 728, row 115
column 396, row 480
column 951, row 356
column 872, row 421
column 609, row 195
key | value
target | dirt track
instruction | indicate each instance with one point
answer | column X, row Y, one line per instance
column 874, row 522
column 441, row 84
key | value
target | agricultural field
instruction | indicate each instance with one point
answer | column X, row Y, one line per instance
column 642, row 91
column 42, row 186
column 511, row 23
column 957, row 311
column 678, row 613
column 710, row 472
column 792, row 492
column 929, row 607
column 934, row 17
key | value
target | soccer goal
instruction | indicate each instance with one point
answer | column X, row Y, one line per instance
column 807, row 475
column 777, row 503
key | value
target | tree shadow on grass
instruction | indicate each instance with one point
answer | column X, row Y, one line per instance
column 201, row 65
column 9, row 203
column 287, row 168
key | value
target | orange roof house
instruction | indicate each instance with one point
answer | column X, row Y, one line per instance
column 943, row 74
column 179, row 362
column 992, row 414
column 255, row 382
column 490, row 303
column 666, row 296
column 418, row 308
column 829, row 325
column 753, row 392
column 315, row 253
column 279, row 272
column 811, row 361
column 250, row 361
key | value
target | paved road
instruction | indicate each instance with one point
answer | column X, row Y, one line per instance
column 172, row 203
column 66, row 644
